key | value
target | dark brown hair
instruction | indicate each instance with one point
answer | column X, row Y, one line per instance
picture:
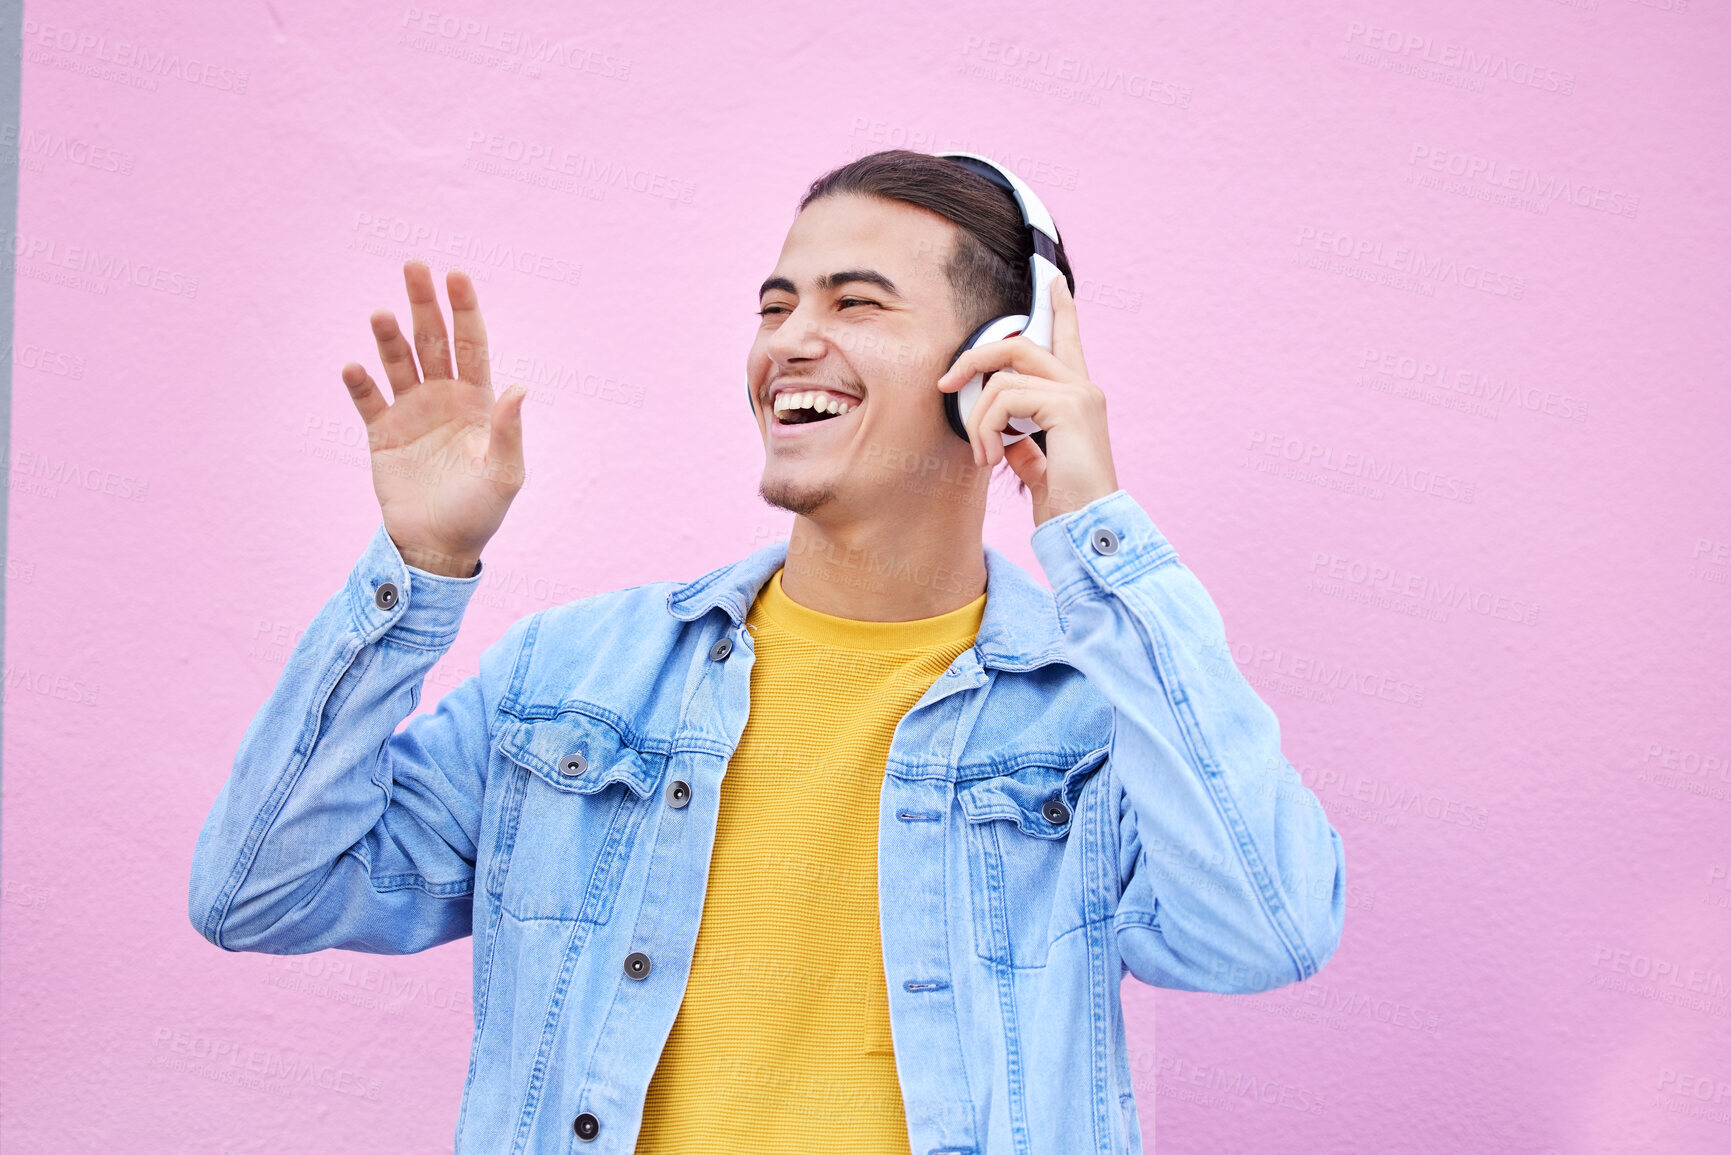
column 988, row 272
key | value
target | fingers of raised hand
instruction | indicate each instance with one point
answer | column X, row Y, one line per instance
column 466, row 327
column 505, row 439
column 1029, row 464
column 1066, row 329
column 1017, row 353
column 1005, row 395
column 432, row 345
column 363, row 392
column 394, row 352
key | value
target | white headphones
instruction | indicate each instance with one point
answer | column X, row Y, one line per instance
column 1036, row 324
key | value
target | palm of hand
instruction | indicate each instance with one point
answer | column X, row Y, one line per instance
column 447, row 457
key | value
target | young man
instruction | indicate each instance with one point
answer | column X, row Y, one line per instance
column 843, row 847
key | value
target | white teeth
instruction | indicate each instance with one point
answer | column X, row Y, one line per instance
column 821, row 402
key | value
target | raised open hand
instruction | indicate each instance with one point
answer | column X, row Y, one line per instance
column 447, row 456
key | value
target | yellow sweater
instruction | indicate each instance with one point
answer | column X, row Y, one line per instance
column 782, row 1043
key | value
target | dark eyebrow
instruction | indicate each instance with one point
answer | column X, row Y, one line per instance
column 834, row 281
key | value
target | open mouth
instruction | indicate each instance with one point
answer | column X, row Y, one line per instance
column 813, row 405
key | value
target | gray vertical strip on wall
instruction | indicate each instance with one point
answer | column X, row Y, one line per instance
column 11, row 71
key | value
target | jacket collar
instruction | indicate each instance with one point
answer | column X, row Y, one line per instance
column 1018, row 631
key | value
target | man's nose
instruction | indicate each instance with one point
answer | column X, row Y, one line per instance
column 799, row 338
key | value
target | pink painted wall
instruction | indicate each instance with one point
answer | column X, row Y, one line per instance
column 1481, row 245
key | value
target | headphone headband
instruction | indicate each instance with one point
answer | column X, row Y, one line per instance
column 1034, row 214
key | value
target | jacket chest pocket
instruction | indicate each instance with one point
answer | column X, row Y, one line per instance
column 1017, row 828
column 573, row 813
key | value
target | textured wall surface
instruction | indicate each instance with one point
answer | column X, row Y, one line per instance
column 1412, row 320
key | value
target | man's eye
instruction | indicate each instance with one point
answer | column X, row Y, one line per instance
column 776, row 310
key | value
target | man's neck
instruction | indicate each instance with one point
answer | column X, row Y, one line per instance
column 881, row 570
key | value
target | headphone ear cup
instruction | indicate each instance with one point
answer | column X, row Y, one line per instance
column 953, row 398
column 953, row 410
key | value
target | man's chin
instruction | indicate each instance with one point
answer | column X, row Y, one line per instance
column 801, row 497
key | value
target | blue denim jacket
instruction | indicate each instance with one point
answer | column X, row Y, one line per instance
column 1092, row 790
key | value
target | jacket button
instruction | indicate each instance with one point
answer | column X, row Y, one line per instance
column 385, row 597
column 1056, row 812
column 637, row 965
column 1104, row 541
column 679, row 793
column 587, row 1126
column 720, row 650
column 573, row 764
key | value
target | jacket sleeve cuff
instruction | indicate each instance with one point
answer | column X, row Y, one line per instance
column 1103, row 545
column 386, row 595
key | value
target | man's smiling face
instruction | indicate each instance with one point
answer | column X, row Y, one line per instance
column 858, row 322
